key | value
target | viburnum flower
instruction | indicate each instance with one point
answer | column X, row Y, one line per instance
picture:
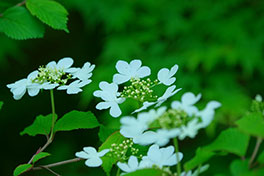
column 188, row 100
column 162, row 156
column 83, row 73
column 109, row 93
column 74, row 87
column 165, row 76
column 131, row 70
column 20, row 87
column 131, row 166
column 92, row 156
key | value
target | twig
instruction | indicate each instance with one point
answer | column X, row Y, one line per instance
column 57, row 164
column 259, row 140
column 51, row 171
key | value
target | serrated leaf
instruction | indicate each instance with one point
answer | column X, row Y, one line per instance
column 21, row 169
column 230, row 140
column 201, row 156
column 76, row 120
column 1, row 104
column 41, row 125
column 39, row 156
column 146, row 172
column 18, row 23
column 252, row 124
column 49, row 12
column 104, row 133
column 108, row 161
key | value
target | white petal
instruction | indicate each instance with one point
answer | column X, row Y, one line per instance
column 143, row 72
column 173, row 70
column 120, row 79
column 32, row 75
column 93, row 162
column 63, row 87
column 73, row 90
column 103, row 152
column 189, row 98
column 122, row 67
column 134, row 66
column 65, row 63
column 163, row 75
column 133, row 162
column 82, row 155
column 123, row 166
column 33, row 91
column 115, row 111
column 90, row 150
column 52, row 64
column 103, row 105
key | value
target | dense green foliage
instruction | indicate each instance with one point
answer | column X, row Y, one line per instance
column 217, row 44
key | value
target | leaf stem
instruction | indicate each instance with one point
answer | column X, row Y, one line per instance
column 258, row 142
column 178, row 166
column 57, row 164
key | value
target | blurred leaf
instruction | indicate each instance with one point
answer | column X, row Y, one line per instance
column 230, row 140
column 17, row 23
column 261, row 157
column 201, row 156
column 108, row 161
column 76, row 120
column 239, row 167
column 146, row 172
column 39, row 156
column 49, row 12
column 41, row 125
column 1, row 104
column 252, row 124
column 21, row 169
column 104, row 133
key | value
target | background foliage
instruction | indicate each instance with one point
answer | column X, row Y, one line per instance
column 217, row 44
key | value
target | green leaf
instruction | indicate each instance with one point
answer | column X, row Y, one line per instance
column 239, row 167
column 49, row 12
column 76, row 120
column 230, row 140
column 105, row 132
column 17, row 23
column 108, row 162
column 40, row 156
column 146, row 172
column 252, row 124
column 261, row 157
column 21, row 169
column 1, row 104
column 41, row 125
column 201, row 157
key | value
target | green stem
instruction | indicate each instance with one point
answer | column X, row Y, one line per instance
column 53, row 113
column 178, row 166
column 118, row 171
column 258, row 142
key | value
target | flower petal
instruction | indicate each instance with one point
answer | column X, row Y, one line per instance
column 82, row 154
column 65, row 63
column 93, row 162
column 120, row 79
column 103, row 152
column 115, row 111
column 189, row 98
column 143, row 72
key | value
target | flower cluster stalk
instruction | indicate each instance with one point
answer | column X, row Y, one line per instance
column 178, row 166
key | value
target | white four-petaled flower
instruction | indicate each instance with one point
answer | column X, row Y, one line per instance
column 129, row 71
column 92, row 156
column 74, row 87
column 165, row 76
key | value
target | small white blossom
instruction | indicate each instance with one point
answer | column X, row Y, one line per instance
column 258, row 98
column 20, row 87
column 74, row 87
column 188, row 99
column 62, row 65
column 165, row 76
column 131, row 70
column 162, row 156
column 83, row 73
column 131, row 166
column 170, row 91
column 92, row 156
column 109, row 93
column 207, row 114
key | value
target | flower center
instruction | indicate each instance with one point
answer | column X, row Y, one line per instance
column 52, row 75
column 140, row 90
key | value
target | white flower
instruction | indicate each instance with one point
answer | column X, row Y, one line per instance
column 258, row 98
column 162, row 156
column 109, row 93
column 161, row 137
column 207, row 114
column 128, row 71
column 188, row 99
column 165, row 75
column 170, row 91
column 145, row 106
column 190, row 130
column 92, row 156
column 62, row 65
column 20, row 87
column 83, row 73
column 131, row 166
column 74, row 87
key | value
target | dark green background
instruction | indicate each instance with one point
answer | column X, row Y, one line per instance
column 218, row 46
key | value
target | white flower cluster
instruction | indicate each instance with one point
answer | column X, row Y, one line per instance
column 139, row 89
column 156, row 156
column 54, row 75
column 181, row 121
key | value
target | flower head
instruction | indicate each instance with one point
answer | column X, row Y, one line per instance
column 131, row 70
column 109, row 93
column 92, row 156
